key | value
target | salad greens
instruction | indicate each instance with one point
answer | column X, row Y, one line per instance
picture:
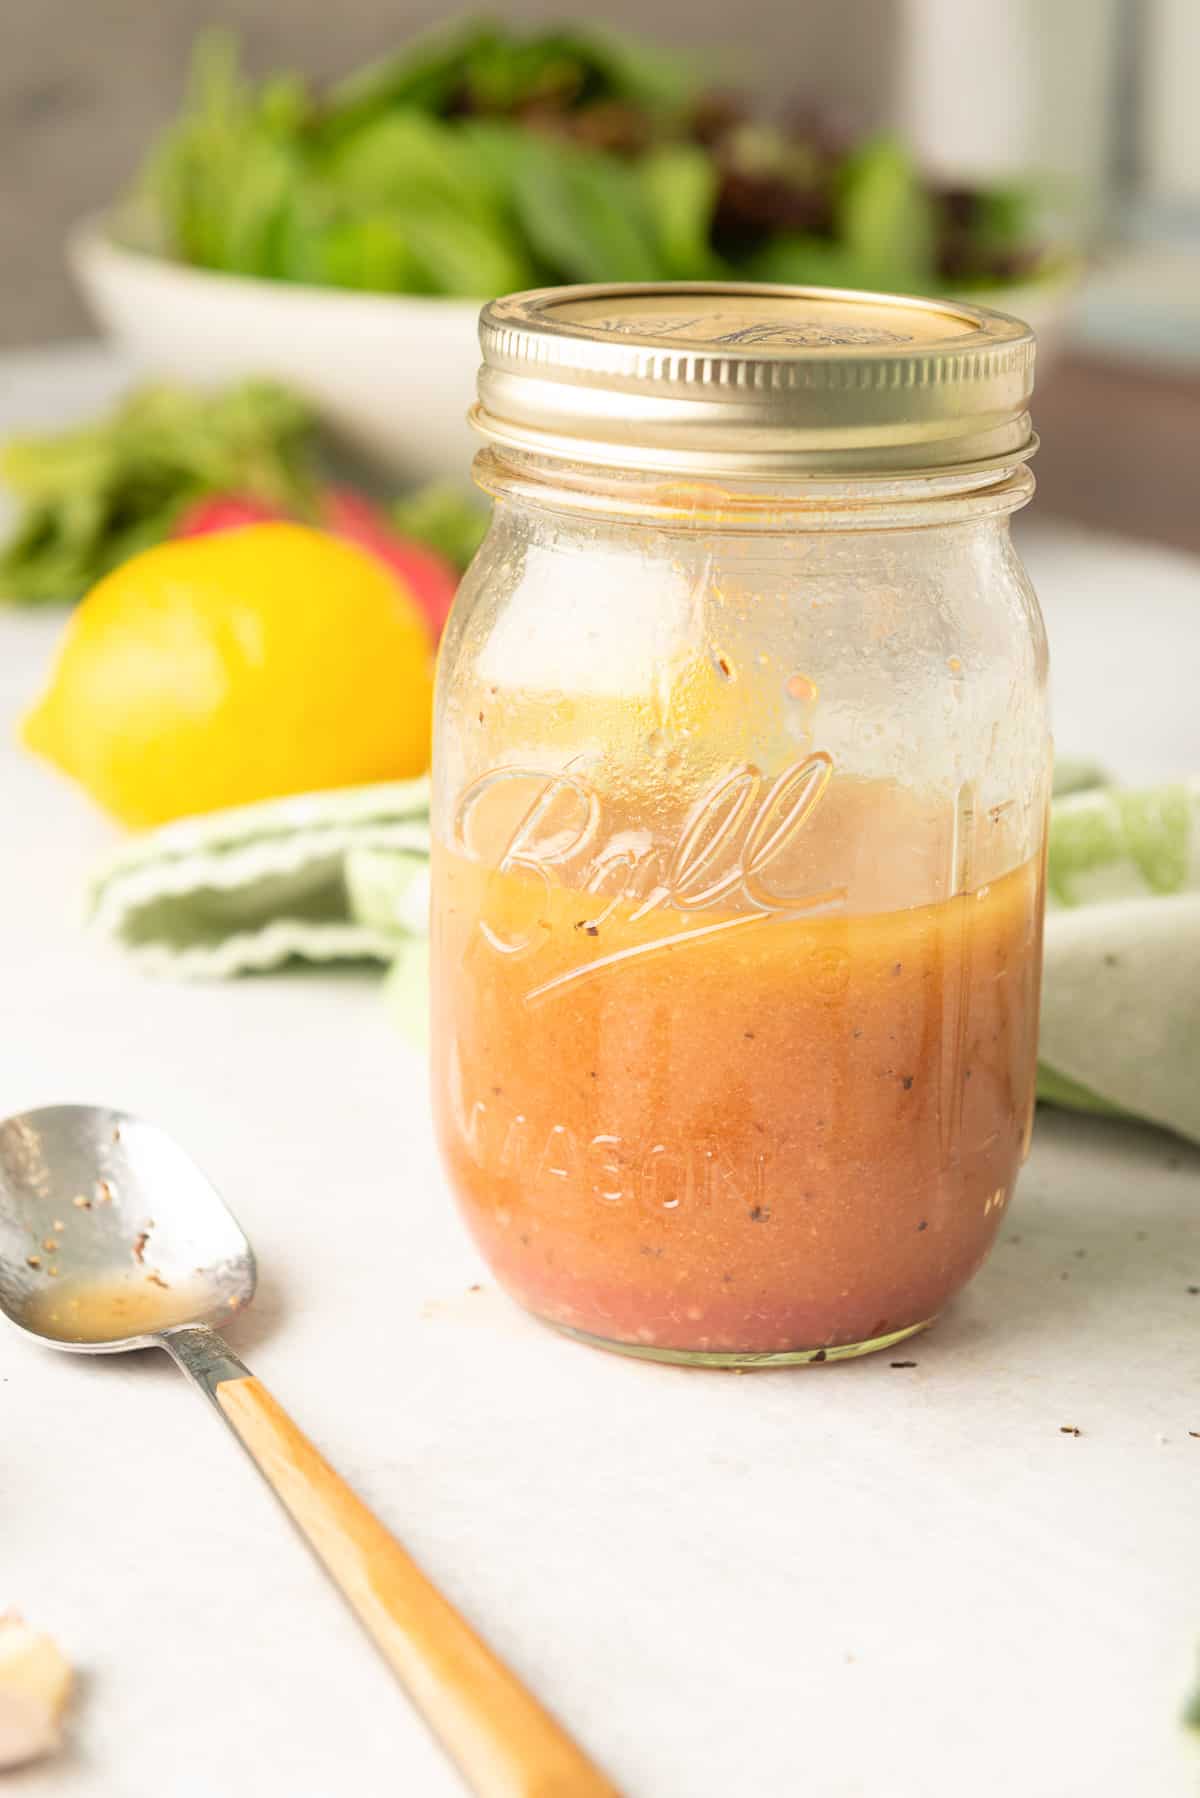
column 444, row 517
column 1191, row 1713
column 92, row 497
column 479, row 160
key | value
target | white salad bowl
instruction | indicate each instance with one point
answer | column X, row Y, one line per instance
column 393, row 374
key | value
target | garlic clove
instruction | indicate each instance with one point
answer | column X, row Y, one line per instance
column 35, row 1683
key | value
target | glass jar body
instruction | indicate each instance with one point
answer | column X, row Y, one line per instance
column 739, row 820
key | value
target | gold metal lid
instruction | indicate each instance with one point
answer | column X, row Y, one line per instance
column 755, row 381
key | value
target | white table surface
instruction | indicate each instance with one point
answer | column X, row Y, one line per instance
column 849, row 1581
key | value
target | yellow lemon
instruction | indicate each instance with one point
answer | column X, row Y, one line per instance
column 217, row 670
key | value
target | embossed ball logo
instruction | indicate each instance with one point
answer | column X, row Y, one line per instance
column 727, row 869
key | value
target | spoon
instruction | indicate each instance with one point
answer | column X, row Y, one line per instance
column 111, row 1239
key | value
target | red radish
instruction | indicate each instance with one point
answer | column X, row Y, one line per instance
column 429, row 577
column 224, row 512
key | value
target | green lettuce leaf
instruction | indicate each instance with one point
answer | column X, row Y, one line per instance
column 585, row 215
column 679, row 185
column 885, row 218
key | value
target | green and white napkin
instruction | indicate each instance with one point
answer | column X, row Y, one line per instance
column 319, row 877
column 343, row 875
column 1121, row 994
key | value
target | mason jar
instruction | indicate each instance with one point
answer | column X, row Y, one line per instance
column 740, row 787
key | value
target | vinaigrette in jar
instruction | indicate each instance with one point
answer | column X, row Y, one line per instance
column 740, row 786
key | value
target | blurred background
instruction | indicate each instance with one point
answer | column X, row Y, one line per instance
column 1087, row 105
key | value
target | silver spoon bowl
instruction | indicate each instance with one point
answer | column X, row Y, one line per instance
column 110, row 1237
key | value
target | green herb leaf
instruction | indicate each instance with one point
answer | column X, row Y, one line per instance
column 885, row 216
column 367, row 251
column 92, row 497
column 1191, row 1714
column 220, row 182
column 585, row 215
column 635, row 70
column 407, row 153
column 449, row 205
column 809, row 262
column 444, row 517
column 460, row 256
column 426, row 75
column 679, row 182
column 492, row 69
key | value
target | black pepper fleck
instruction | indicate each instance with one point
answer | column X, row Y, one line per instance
column 906, row 1082
column 1068, row 1429
column 591, row 930
column 903, row 1364
column 924, row 1224
column 759, row 1214
column 1194, row 1290
column 820, row 1355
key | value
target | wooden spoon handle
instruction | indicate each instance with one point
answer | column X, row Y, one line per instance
column 504, row 1743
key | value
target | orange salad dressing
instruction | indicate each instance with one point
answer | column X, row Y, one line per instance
column 725, row 1130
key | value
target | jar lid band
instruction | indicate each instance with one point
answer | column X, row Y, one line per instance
column 755, row 381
